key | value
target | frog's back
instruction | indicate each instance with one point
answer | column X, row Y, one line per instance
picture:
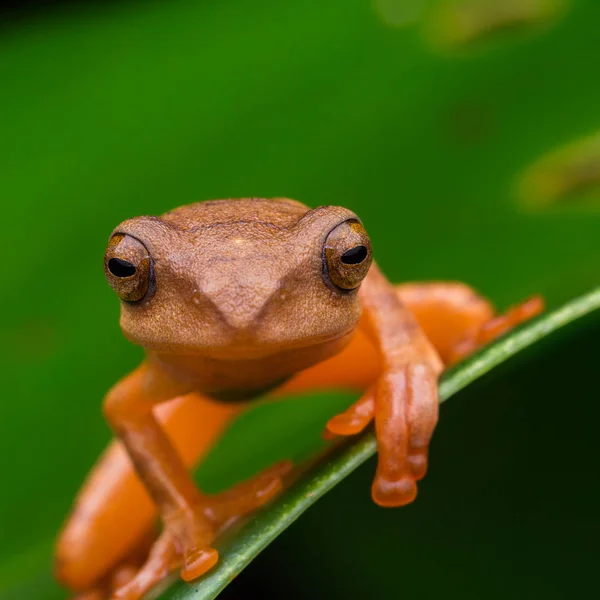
column 277, row 212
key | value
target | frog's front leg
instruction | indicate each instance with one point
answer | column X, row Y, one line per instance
column 404, row 395
column 191, row 519
column 220, row 509
column 454, row 318
column 113, row 513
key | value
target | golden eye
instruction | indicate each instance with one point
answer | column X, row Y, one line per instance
column 128, row 268
column 347, row 255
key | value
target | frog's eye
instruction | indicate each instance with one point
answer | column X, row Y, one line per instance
column 347, row 255
column 128, row 267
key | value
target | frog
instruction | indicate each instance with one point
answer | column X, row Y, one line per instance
column 234, row 300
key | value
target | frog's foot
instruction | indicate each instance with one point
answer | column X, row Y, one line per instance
column 358, row 417
column 404, row 405
column 497, row 327
column 185, row 543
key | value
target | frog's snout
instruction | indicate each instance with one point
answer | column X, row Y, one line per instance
column 240, row 302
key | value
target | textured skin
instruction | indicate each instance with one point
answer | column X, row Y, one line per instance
column 241, row 300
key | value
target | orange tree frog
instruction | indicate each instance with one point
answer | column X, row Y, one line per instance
column 232, row 300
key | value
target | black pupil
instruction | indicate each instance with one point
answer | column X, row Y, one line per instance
column 121, row 268
column 355, row 255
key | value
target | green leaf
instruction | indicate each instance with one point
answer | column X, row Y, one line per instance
column 240, row 550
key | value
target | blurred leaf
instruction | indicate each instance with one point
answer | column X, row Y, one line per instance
column 568, row 176
column 399, row 13
column 238, row 552
column 465, row 23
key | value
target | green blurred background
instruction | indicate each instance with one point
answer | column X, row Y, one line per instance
column 434, row 121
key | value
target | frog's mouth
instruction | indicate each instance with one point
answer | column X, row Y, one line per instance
column 246, row 349
column 245, row 374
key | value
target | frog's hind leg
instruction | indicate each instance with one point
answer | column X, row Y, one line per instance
column 457, row 320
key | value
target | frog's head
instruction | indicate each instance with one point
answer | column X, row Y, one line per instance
column 239, row 278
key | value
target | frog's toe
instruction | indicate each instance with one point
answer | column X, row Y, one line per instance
column 418, row 464
column 354, row 419
column 496, row 327
column 249, row 495
column 393, row 492
column 197, row 562
column 162, row 561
